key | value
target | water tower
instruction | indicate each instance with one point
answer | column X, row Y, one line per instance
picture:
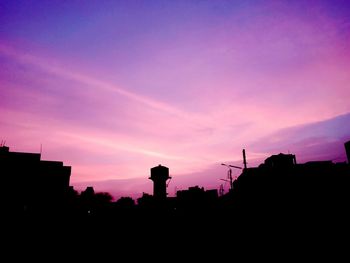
column 159, row 176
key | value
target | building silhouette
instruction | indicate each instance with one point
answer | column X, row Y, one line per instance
column 196, row 198
column 347, row 149
column 280, row 185
column 280, row 161
column 41, row 183
column 159, row 176
column 279, row 201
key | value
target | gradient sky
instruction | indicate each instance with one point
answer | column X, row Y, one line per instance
column 113, row 88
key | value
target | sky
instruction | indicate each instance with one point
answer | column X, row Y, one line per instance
column 113, row 88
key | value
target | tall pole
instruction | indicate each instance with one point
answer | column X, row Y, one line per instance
column 244, row 159
column 230, row 177
column 229, row 174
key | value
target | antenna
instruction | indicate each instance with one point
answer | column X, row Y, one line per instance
column 41, row 148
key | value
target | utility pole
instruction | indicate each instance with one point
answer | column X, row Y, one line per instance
column 229, row 173
column 244, row 159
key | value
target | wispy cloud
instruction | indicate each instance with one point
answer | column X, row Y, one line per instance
column 185, row 85
column 84, row 79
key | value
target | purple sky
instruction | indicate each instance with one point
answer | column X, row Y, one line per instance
column 113, row 88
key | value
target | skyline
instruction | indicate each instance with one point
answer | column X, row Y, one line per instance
column 113, row 89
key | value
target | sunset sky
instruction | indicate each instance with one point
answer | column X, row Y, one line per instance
column 113, row 88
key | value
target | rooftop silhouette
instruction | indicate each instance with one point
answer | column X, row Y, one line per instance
column 279, row 184
column 279, row 198
column 43, row 184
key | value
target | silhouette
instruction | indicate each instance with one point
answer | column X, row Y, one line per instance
column 196, row 199
column 125, row 203
column 279, row 186
column 43, row 185
column 159, row 176
column 347, row 148
column 280, row 200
